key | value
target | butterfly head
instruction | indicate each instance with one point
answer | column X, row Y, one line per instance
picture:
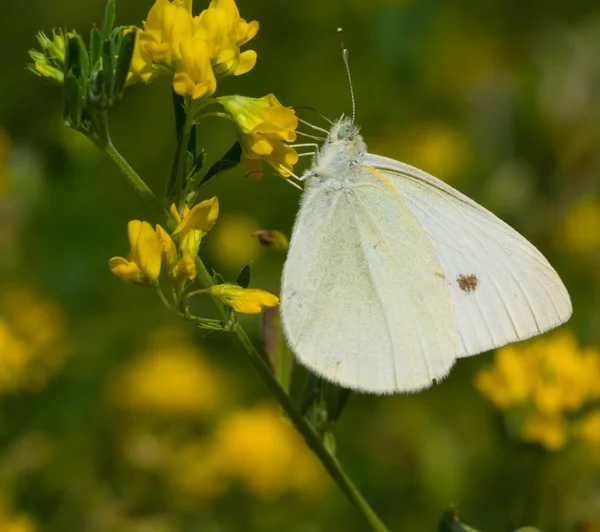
column 344, row 137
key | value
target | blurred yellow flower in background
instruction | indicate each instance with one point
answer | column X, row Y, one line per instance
column 11, row 521
column 143, row 266
column 261, row 451
column 581, row 226
column 232, row 244
column 33, row 340
column 196, row 50
column 264, row 126
column 170, row 378
column 435, row 147
column 549, row 378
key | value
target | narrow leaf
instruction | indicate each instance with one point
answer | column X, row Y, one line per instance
column 72, row 103
column 72, row 57
column 217, row 278
column 230, row 160
column 108, row 69
column 124, row 62
column 84, row 61
column 95, row 47
column 109, row 20
column 243, row 278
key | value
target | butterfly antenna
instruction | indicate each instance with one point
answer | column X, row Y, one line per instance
column 345, row 56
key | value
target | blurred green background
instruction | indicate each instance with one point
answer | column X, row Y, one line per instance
column 116, row 416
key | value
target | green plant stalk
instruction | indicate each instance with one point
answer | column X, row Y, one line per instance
column 258, row 363
column 175, row 184
column 134, row 179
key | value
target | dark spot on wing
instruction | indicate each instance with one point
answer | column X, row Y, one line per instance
column 467, row 283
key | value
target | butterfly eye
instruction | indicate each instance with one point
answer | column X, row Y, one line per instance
column 346, row 131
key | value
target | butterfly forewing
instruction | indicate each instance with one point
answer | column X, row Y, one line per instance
column 365, row 301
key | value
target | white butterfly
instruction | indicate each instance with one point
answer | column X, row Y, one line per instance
column 392, row 274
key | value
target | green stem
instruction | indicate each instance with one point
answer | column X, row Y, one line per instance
column 134, row 179
column 175, row 185
column 257, row 362
column 312, row 439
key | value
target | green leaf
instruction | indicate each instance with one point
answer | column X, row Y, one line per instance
column 335, row 398
column 95, row 47
column 230, row 160
column 124, row 62
column 109, row 20
column 72, row 101
column 243, row 278
column 323, row 402
column 108, row 58
column 197, row 165
column 217, row 278
column 84, row 61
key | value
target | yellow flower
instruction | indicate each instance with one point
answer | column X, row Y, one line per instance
column 244, row 300
column 194, row 76
column 194, row 49
column 12, row 521
column 224, row 32
column 145, row 255
column 192, row 225
column 232, row 243
column 169, row 250
column 550, row 378
column 508, row 383
column 170, row 378
column 589, row 428
column 33, row 344
column 551, row 432
column 264, row 126
column 581, row 228
column 262, row 452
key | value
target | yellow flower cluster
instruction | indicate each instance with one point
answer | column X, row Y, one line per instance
column 546, row 380
column 170, row 378
column 264, row 126
column 32, row 340
column 198, row 50
column 253, row 448
column 151, row 248
column 581, row 227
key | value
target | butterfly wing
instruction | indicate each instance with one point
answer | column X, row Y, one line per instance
column 365, row 302
column 502, row 288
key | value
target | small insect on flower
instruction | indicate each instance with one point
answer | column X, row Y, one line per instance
column 244, row 300
column 143, row 266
